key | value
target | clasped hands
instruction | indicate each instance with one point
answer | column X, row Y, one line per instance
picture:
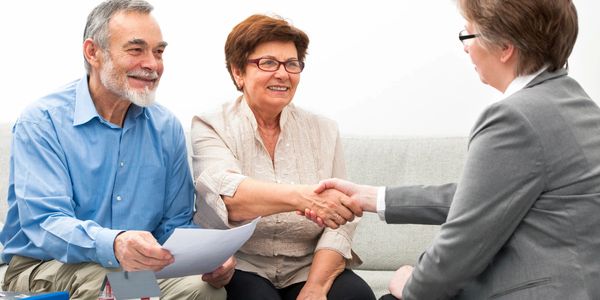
column 336, row 202
column 139, row 250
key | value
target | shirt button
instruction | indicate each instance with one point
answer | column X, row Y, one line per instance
column 110, row 262
column 119, row 198
column 122, row 164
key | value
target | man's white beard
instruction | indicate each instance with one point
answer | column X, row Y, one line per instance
column 110, row 79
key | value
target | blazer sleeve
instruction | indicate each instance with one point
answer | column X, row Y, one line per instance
column 504, row 175
column 418, row 204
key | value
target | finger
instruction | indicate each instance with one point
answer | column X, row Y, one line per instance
column 319, row 222
column 132, row 265
column 331, row 224
column 149, row 247
column 312, row 216
column 216, row 281
column 317, row 219
column 149, row 263
column 344, row 212
column 353, row 205
column 340, row 220
column 155, row 250
column 324, row 185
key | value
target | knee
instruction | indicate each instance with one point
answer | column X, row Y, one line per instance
column 85, row 281
column 211, row 293
column 191, row 287
column 207, row 292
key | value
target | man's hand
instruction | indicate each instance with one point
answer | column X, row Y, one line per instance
column 139, row 250
column 361, row 198
column 331, row 206
column 399, row 281
column 222, row 275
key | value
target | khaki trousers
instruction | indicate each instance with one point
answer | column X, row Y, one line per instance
column 83, row 280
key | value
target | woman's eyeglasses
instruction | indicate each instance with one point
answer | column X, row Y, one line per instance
column 293, row 66
column 466, row 38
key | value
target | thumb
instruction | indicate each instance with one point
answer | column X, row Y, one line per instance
column 324, row 185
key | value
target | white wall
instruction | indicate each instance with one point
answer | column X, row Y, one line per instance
column 377, row 67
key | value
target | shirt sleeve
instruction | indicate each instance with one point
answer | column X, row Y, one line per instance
column 44, row 197
column 216, row 172
column 179, row 188
column 380, row 204
column 503, row 177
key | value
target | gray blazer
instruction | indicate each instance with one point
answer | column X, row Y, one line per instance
column 524, row 220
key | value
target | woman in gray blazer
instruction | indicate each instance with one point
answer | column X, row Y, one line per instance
column 523, row 222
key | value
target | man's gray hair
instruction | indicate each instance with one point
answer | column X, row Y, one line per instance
column 96, row 27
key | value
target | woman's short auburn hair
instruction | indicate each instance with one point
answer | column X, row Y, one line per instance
column 542, row 31
column 258, row 29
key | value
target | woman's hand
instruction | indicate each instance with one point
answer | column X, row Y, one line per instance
column 326, row 266
column 309, row 292
column 222, row 275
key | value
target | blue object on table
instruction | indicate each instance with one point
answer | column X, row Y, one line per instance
column 28, row 296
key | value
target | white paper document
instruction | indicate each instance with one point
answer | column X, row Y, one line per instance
column 199, row 250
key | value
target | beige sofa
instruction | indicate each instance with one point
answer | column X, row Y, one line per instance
column 369, row 160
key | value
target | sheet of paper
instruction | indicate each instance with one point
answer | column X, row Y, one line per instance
column 199, row 251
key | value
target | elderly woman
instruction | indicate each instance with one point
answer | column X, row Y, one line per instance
column 258, row 157
column 524, row 220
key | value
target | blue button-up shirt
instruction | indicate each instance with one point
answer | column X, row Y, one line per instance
column 77, row 180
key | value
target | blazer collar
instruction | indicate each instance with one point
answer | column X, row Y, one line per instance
column 547, row 75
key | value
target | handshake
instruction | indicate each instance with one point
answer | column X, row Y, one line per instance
column 334, row 202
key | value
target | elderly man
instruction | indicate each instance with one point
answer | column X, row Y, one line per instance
column 99, row 174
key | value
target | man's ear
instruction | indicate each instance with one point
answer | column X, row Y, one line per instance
column 508, row 51
column 91, row 52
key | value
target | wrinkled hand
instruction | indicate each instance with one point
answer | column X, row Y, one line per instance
column 139, row 250
column 399, row 280
column 222, row 275
column 308, row 293
column 361, row 196
column 332, row 207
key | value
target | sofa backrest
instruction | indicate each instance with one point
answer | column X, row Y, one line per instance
column 391, row 161
column 370, row 160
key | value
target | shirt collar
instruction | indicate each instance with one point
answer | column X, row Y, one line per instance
column 84, row 106
column 521, row 81
column 246, row 111
column 85, row 110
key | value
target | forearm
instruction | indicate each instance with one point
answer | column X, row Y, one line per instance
column 254, row 198
column 326, row 266
column 72, row 241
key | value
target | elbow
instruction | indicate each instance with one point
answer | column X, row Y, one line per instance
column 234, row 212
